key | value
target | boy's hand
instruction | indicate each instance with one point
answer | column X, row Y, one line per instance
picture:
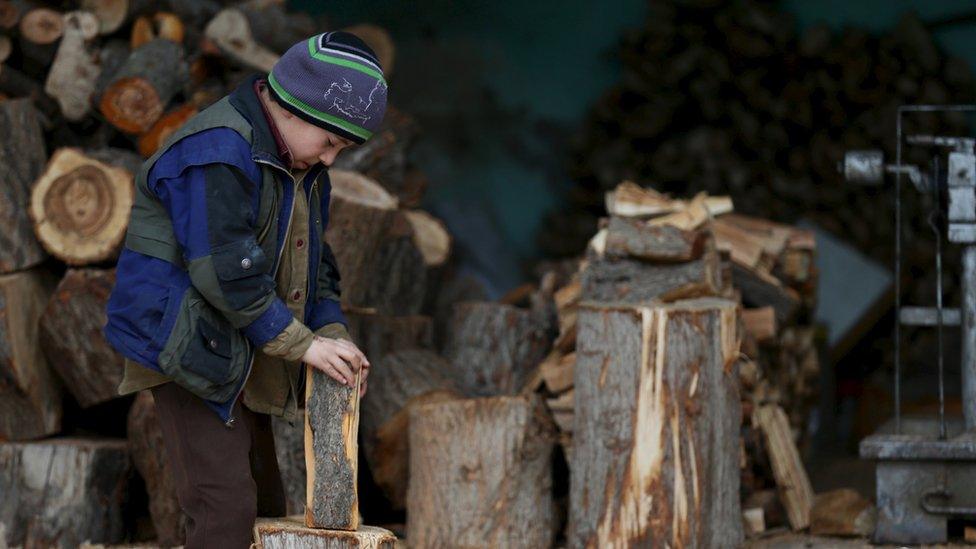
column 340, row 360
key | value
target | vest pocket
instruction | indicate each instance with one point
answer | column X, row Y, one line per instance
column 204, row 353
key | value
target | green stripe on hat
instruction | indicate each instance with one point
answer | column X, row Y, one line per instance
column 312, row 111
column 313, row 51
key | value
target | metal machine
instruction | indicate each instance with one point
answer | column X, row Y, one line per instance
column 926, row 466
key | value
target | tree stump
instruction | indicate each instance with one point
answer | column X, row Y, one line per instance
column 62, row 492
column 331, row 452
column 494, row 348
column 22, row 157
column 80, row 207
column 71, row 336
column 144, row 85
column 290, row 533
column 30, row 392
column 145, row 440
column 481, row 474
column 400, row 382
column 656, row 430
column 633, row 280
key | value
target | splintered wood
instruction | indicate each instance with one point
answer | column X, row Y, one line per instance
column 656, row 432
column 331, row 452
column 290, row 533
column 795, row 490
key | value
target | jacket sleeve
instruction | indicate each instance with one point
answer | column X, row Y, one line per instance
column 326, row 309
column 213, row 206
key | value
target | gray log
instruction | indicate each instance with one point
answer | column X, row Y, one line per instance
column 628, row 237
column 22, row 158
column 634, row 281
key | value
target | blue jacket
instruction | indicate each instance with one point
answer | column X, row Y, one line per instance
column 210, row 181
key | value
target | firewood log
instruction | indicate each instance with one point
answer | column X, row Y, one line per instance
column 145, row 440
column 231, row 32
column 112, row 14
column 71, row 336
column 656, row 430
column 635, row 238
column 68, row 490
column 22, row 158
column 494, row 348
column 398, row 279
column 275, row 28
column 6, row 47
column 289, row 533
column 633, row 280
column 331, row 452
column 30, row 392
column 40, row 29
column 430, row 236
column 80, row 207
column 399, row 382
column 75, row 70
column 481, row 474
column 377, row 334
column 150, row 141
column 144, row 85
column 384, row 158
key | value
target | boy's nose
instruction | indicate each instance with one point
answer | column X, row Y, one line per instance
column 328, row 157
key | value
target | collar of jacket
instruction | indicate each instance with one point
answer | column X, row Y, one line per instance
column 263, row 144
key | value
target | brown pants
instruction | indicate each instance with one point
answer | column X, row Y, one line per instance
column 225, row 476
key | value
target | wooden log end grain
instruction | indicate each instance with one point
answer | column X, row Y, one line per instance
column 481, row 474
column 150, row 141
column 331, row 452
column 80, row 207
column 290, row 533
column 41, row 26
column 139, row 92
column 431, row 237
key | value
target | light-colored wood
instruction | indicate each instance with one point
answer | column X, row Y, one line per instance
column 231, row 32
column 760, row 323
column 22, row 158
column 71, row 336
column 754, row 521
column 795, row 490
column 656, row 431
column 631, row 200
column 6, row 47
column 150, row 141
column 80, row 207
column 290, row 533
column 331, row 452
column 67, row 491
column 558, row 373
column 431, row 237
column 145, row 442
column 140, row 90
column 481, row 474
column 31, row 394
column 687, row 219
column 41, row 26
column 75, row 71
column 842, row 512
column 745, row 247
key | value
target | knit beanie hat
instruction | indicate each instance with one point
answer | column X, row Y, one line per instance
column 334, row 81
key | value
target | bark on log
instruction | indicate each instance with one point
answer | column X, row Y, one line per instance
column 71, row 336
column 633, row 281
column 73, row 74
column 80, row 207
column 384, row 158
column 144, row 85
column 628, row 237
column 656, row 431
column 39, row 29
column 760, row 289
column 30, row 392
column 795, row 490
column 273, row 27
column 401, row 381
column 145, row 439
column 22, row 158
column 331, row 452
column 397, row 276
column 231, row 32
column 62, row 492
column 494, row 348
column 112, row 14
column 377, row 335
column 290, row 449
column 290, row 533
column 481, row 474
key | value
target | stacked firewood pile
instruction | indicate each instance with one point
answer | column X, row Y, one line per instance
column 658, row 249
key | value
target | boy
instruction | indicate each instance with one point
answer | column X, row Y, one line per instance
column 226, row 287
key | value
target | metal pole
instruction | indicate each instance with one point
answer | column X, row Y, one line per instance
column 969, row 336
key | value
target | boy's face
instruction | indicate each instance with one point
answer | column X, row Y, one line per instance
column 309, row 143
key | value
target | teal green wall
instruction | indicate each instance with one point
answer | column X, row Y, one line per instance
column 501, row 87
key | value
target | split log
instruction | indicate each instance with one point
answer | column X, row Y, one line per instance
column 795, row 490
column 494, row 348
column 71, row 336
column 145, row 439
column 75, row 70
column 842, row 512
column 273, row 27
column 481, row 474
column 632, row 281
column 150, row 141
column 431, row 237
column 760, row 289
column 290, row 450
column 161, row 25
column 231, row 32
column 331, row 452
column 558, row 374
column 384, row 158
column 656, row 431
column 290, row 533
column 30, row 392
column 62, row 492
column 112, row 14
column 400, row 382
column 22, row 157
column 144, row 85
column 637, row 239
column 80, row 207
